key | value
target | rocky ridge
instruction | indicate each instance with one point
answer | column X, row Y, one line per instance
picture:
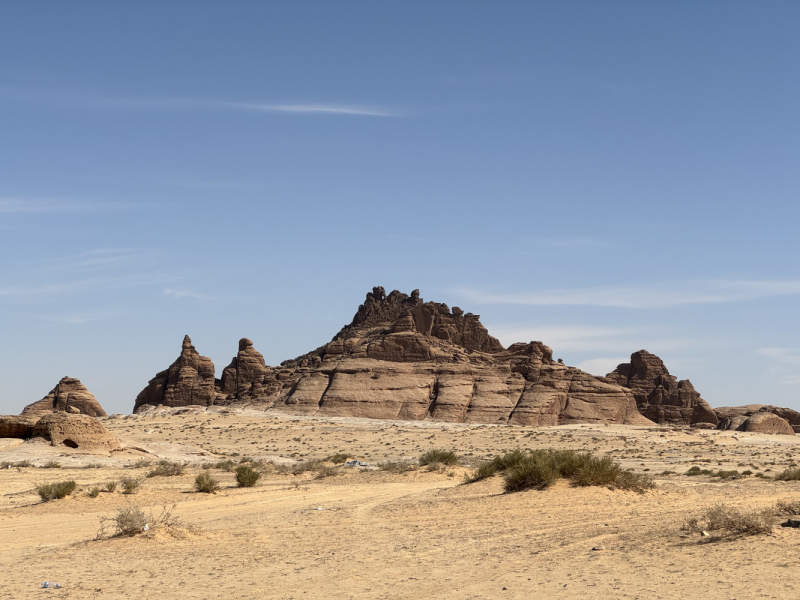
column 403, row 358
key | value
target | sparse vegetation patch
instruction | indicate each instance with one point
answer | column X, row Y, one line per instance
column 55, row 491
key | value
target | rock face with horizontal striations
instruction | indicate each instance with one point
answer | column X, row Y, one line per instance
column 188, row 381
column 71, row 396
column 660, row 396
column 77, row 432
column 403, row 358
column 744, row 418
column 13, row 426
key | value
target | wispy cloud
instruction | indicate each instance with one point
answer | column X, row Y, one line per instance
column 787, row 356
column 666, row 295
column 185, row 293
column 82, row 317
column 299, row 108
column 49, row 290
column 620, row 341
column 36, row 205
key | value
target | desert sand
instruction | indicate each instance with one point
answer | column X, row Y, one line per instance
column 369, row 533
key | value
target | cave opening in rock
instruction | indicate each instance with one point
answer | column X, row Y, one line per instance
column 69, row 444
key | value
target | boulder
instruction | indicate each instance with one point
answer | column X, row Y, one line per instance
column 660, row 396
column 404, row 358
column 13, row 426
column 766, row 422
column 189, row 380
column 71, row 396
column 732, row 417
column 78, row 432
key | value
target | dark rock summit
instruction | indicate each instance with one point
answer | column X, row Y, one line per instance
column 189, row 380
column 660, row 396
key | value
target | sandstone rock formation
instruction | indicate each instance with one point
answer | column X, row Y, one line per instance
column 70, row 395
column 403, row 358
column 78, row 432
column 189, row 380
column 660, row 396
column 13, row 426
column 737, row 417
column 765, row 422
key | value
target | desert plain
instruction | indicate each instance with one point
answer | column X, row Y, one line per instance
column 367, row 532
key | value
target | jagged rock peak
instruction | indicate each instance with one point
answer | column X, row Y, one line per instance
column 71, row 396
column 188, row 380
column 660, row 396
column 244, row 376
column 402, row 313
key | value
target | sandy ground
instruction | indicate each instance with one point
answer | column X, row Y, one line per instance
column 373, row 534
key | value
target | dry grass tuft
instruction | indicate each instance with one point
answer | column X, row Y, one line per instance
column 167, row 468
column 438, row 456
column 132, row 520
column 130, row 485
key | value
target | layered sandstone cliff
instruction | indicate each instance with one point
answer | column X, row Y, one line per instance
column 403, row 358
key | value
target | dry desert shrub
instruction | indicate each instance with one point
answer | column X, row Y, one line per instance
column 111, row 486
column 396, row 466
column 312, row 464
column 322, row 472
column 204, row 482
column 438, row 456
column 787, row 507
column 19, row 464
column 792, row 474
column 339, row 458
column 94, row 492
column 51, row 464
column 130, row 485
column 539, row 469
column 55, row 491
column 727, row 520
column 132, row 520
column 142, row 463
column 246, row 476
column 167, row 468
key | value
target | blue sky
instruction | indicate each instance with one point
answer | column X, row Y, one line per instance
column 601, row 176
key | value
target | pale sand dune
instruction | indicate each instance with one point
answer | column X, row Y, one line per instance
column 414, row 535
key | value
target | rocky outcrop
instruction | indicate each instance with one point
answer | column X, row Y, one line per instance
column 765, row 422
column 660, row 396
column 13, row 426
column 736, row 417
column 71, row 396
column 403, row 358
column 189, row 380
column 77, row 432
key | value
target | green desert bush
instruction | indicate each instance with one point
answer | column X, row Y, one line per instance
column 727, row 520
column 539, row 469
column 167, row 468
column 130, row 485
column 204, row 482
column 695, row 471
column 55, row 491
column 440, row 456
column 246, row 476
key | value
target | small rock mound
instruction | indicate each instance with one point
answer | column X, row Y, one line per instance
column 78, row 432
column 71, row 396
